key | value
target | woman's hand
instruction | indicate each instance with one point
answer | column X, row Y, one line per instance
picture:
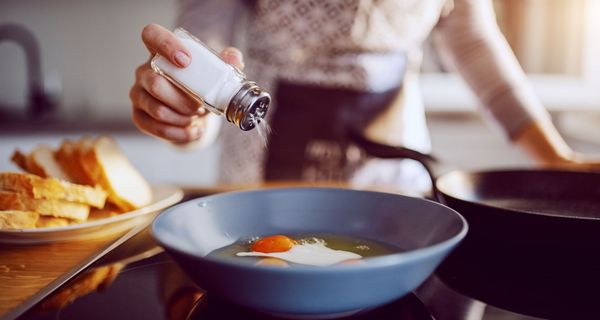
column 580, row 161
column 543, row 143
column 159, row 108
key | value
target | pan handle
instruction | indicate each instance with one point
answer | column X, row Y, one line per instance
column 383, row 151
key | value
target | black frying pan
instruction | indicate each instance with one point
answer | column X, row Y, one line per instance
column 534, row 241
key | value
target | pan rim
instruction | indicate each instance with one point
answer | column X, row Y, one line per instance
column 447, row 193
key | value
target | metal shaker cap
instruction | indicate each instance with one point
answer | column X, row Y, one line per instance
column 248, row 107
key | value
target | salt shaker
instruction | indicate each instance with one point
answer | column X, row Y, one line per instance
column 219, row 86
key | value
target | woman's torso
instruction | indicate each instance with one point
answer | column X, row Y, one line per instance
column 359, row 46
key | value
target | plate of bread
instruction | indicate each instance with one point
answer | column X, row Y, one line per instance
column 85, row 188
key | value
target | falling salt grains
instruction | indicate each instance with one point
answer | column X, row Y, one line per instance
column 313, row 240
column 262, row 129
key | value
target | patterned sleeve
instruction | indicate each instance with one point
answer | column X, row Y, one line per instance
column 212, row 21
column 480, row 53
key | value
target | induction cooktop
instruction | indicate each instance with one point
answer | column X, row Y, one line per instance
column 140, row 281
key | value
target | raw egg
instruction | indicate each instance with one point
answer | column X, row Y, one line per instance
column 313, row 253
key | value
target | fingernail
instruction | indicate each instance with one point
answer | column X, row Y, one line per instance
column 182, row 58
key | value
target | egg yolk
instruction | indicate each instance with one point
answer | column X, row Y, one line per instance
column 277, row 243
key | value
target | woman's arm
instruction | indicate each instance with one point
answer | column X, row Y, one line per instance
column 479, row 52
column 159, row 108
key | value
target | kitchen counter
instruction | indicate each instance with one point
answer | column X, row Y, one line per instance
column 28, row 275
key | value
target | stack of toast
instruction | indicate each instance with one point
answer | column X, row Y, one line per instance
column 81, row 180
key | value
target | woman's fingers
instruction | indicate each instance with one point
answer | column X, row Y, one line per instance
column 156, row 109
column 161, row 89
column 162, row 41
column 233, row 56
column 159, row 129
column 159, row 107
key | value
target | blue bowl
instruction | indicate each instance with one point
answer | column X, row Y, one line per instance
column 425, row 230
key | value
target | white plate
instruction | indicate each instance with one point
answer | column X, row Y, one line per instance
column 163, row 197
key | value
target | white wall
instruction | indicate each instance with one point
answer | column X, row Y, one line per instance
column 91, row 46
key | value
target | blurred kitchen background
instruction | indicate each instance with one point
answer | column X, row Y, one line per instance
column 87, row 52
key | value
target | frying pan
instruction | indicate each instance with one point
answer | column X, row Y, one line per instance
column 425, row 230
column 534, row 241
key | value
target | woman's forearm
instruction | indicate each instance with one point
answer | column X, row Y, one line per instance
column 479, row 52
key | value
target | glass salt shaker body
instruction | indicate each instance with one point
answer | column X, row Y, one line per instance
column 219, row 86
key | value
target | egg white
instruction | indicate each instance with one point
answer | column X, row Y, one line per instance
column 312, row 254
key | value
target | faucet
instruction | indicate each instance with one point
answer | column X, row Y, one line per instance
column 40, row 103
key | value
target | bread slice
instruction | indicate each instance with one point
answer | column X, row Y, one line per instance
column 15, row 219
column 45, row 207
column 20, row 160
column 68, row 157
column 41, row 162
column 51, row 188
column 105, row 164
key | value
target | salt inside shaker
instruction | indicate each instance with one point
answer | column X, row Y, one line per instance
column 219, row 86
